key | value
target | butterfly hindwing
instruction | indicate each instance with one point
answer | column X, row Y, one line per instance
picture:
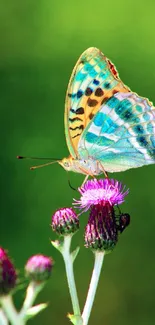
column 93, row 81
column 121, row 134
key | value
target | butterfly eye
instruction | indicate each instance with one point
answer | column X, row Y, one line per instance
column 66, row 164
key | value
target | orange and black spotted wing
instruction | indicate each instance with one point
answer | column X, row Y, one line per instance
column 93, row 81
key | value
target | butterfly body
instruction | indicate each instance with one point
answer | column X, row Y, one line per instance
column 107, row 126
column 83, row 166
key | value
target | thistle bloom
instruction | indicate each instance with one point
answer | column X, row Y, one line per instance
column 100, row 196
column 8, row 274
column 65, row 221
column 38, row 267
column 102, row 191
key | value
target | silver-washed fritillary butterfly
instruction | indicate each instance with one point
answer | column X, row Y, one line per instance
column 108, row 127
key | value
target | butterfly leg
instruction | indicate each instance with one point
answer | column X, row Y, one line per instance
column 85, row 180
column 84, row 171
column 101, row 166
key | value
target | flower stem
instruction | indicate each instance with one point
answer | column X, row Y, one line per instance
column 70, row 274
column 99, row 257
column 10, row 311
column 3, row 319
column 13, row 316
column 32, row 291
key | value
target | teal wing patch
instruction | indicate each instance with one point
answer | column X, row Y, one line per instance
column 122, row 133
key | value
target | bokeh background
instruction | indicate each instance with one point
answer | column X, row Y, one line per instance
column 40, row 41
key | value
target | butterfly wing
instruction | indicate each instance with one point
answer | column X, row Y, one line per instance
column 121, row 134
column 93, row 80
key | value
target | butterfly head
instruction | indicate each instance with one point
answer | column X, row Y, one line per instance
column 71, row 164
column 66, row 163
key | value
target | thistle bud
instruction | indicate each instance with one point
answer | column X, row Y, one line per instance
column 65, row 221
column 38, row 268
column 8, row 274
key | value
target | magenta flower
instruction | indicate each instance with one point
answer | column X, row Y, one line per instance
column 38, row 267
column 104, row 225
column 8, row 275
column 102, row 191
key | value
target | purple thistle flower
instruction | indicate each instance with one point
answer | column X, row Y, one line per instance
column 101, row 191
column 8, row 275
column 101, row 196
column 65, row 221
column 38, row 267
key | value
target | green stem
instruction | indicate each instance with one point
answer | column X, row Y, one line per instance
column 70, row 274
column 3, row 319
column 99, row 257
column 31, row 293
column 20, row 318
column 10, row 311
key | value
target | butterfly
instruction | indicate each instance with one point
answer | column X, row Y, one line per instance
column 108, row 127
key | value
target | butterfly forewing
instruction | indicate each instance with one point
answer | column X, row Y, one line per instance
column 93, row 81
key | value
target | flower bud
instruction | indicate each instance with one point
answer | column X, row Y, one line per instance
column 8, row 274
column 65, row 221
column 38, row 268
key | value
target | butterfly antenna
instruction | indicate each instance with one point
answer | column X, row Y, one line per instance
column 54, row 160
column 43, row 165
column 37, row 158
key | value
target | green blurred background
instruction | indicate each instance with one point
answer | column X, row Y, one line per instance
column 40, row 42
